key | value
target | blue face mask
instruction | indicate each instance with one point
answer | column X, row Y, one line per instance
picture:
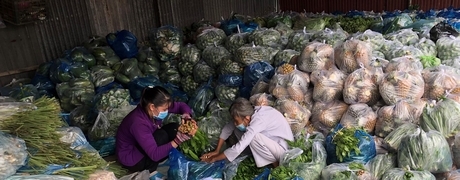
column 162, row 115
column 241, row 127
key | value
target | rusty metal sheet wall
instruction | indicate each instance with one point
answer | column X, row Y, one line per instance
column 433, row 4
column 183, row 13
column 23, row 48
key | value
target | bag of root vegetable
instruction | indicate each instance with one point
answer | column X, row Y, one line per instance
column 359, row 115
column 261, row 86
column 327, row 84
column 262, row 99
column 360, row 87
column 399, row 85
column 350, row 171
column 393, row 116
column 316, row 56
column 295, row 114
column 351, row 53
column 439, row 80
column 289, row 83
column 403, row 174
column 326, row 115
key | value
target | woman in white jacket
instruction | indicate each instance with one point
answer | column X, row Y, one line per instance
column 264, row 129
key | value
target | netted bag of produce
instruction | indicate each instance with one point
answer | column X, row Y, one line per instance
column 405, row 51
column 202, row 72
column 331, row 37
column 350, row 171
column 349, row 144
column 247, row 55
column 327, row 84
column 442, row 116
column 285, row 31
column 167, row 42
column 404, row 63
column 285, row 56
column 14, row 154
column 427, row 46
column 426, row 151
column 448, row 47
column 393, row 116
column 82, row 55
column 375, row 39
column 406, row 36
column 316, row 56
column 102, row 75
column 307, row 161
column 124, row 43
column 291, row 83
column 295, row 114
column 359, row 115
column 190, row 53
column 213, row 55
column 235, row 41
column 229, row 66
column 402, row 174
column 298, row 40
column 262, row 99
column 127, row 70
column 185, row 68
column 105, row 56
column 210, row 37
column 389, row 46
column 399, row 85
column 74, row 93
column 226, row 94
column 438, row 81
column 136, row 87
column 189, row 85
column 203, row 96
column 148, row 61
column 360, row 87
column 350, row 54
column 380, row 164
column 107, row 122
column 326, row 115
column 265, row 37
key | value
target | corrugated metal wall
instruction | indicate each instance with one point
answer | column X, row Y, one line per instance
column 70, row 22
column 367, row 5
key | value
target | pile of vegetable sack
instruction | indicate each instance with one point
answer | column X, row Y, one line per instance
column 381, row 90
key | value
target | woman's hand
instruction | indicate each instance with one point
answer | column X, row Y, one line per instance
column 209, row 155
column 186, row 116
column 213, row 157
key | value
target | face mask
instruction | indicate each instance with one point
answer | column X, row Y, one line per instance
column 241, row 127
column 162, row 115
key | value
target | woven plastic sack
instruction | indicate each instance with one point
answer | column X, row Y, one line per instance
column 326, row 116
column 328, row 84
column 399, row 85
column 417, row 152
column 167, row 42
column 350, row 54
column 393, row 116
column 14, row 154
column 316, row 56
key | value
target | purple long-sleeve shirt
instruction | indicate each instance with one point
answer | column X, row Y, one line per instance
column 136, row 130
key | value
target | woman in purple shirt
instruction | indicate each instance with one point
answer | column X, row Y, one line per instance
column 141, row 141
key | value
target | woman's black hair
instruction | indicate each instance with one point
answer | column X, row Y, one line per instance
column 157, row 95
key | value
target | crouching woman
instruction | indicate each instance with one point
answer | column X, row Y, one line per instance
column 265, row 131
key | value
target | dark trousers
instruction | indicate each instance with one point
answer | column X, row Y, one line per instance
column 162, row 136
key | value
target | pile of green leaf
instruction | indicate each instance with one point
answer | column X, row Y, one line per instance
column 345, row 142
column 247, row 169
column 196, row 146
column 306, row 146
column 352, row 24
column 282, row 172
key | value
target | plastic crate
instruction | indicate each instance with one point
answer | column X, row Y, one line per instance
column 19, row 12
